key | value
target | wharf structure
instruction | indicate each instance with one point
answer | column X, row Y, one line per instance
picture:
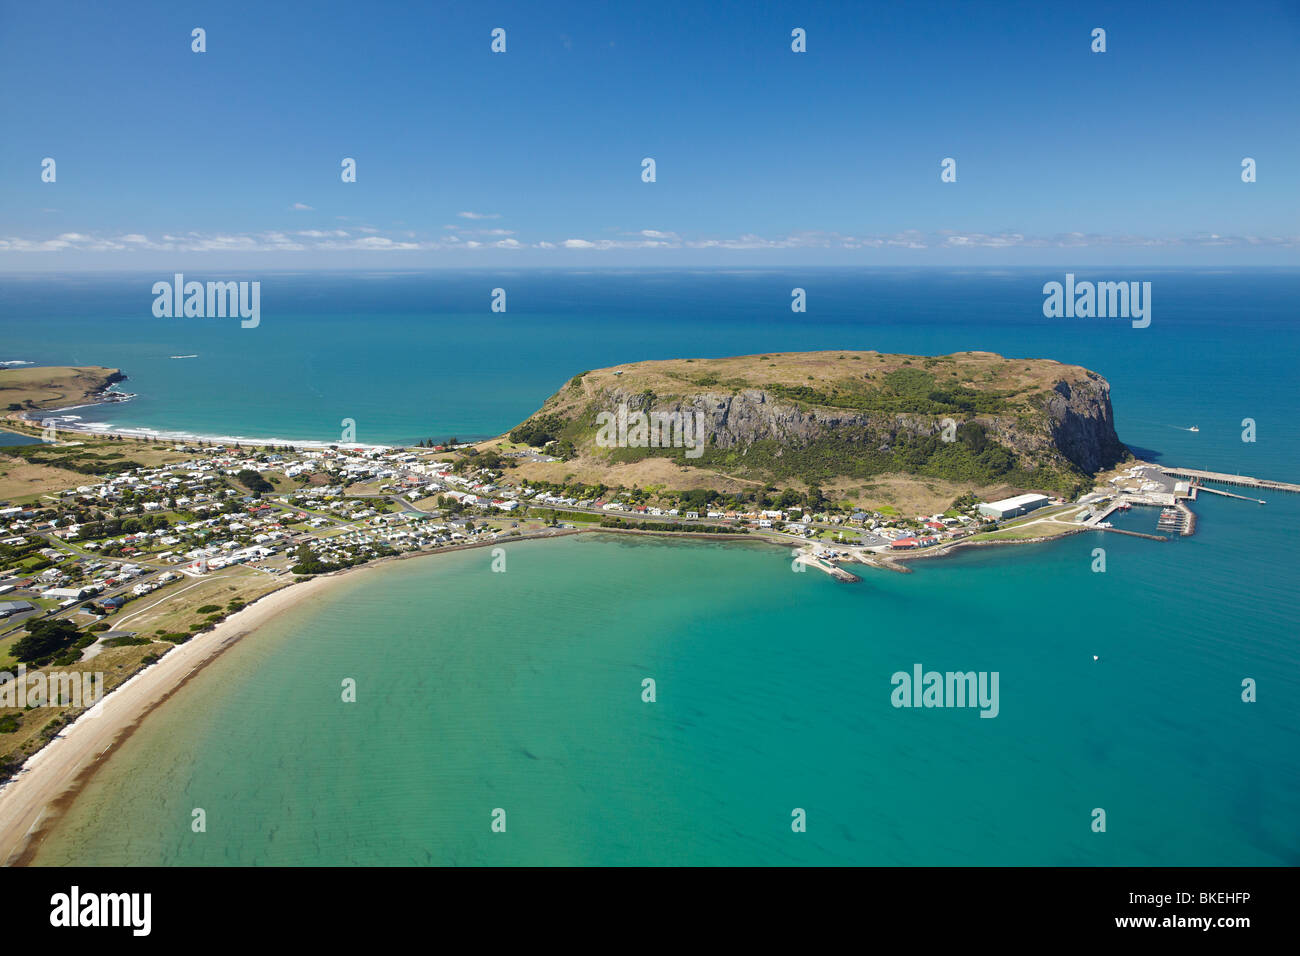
column 1171, row 488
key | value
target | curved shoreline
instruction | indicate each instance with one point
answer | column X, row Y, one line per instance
column 944, row 551
column 145, row 433
column 34, row 799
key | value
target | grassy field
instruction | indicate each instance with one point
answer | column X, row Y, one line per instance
column 546, row 514
column 115, row 663
column 1034, row 528
column 55, row 387
column 6, row 658
column 427, row 504
column 984, row 371
column 174, row 607
column 55, row 469
column 333, row 531
column 159, row 609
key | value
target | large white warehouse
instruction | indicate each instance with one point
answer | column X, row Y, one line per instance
column 1010, row 507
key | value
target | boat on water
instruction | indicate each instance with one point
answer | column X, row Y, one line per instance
column 1193, row 429
column 183, row 356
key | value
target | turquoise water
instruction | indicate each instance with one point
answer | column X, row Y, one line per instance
column 522, row 691
column 411, row 356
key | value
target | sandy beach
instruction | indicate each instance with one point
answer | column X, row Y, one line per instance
column 31, row 802
column 50, row 780
column 51, row 777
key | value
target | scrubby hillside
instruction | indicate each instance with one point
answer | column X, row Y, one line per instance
column 974, row 419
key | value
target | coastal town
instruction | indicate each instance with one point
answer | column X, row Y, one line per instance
column 115, row 548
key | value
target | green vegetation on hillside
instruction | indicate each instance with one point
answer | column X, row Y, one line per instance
column 831, row 416
column 538, row 430
column 852, row 453
column 905, row 390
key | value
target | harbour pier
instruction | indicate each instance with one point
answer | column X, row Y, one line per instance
column 1135, row 534
column 1242, row 481
column 1227, row 494
column 1171, row 488
column 821, row 564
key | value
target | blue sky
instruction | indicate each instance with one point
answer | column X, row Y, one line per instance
column 231, row 158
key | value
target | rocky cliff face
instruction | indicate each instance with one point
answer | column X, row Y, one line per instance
column 1083, row 424
column 1076, row 422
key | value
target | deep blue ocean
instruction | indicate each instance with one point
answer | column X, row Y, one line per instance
column 521, row 691
column 411, row 356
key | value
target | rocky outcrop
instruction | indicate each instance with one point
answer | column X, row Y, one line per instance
column 860, row 413
column 1076, row 422
column 1083, row 424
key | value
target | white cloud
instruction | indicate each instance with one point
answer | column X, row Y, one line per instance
column 270, row 241
column 479, row 215
column 300, row 206
column 370, row 242
column 308, row 240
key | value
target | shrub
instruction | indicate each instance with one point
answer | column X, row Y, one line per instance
column 45, row 640
column 538, row 430
column 125, row 641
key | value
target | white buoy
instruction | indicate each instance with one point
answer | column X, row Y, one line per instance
column 1094, row 657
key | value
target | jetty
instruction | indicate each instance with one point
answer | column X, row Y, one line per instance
column 1134, row 534
column 1171, row 488
column 1242, row 481
column 1098, row 518
column 1226, row 494
column 821, row 564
